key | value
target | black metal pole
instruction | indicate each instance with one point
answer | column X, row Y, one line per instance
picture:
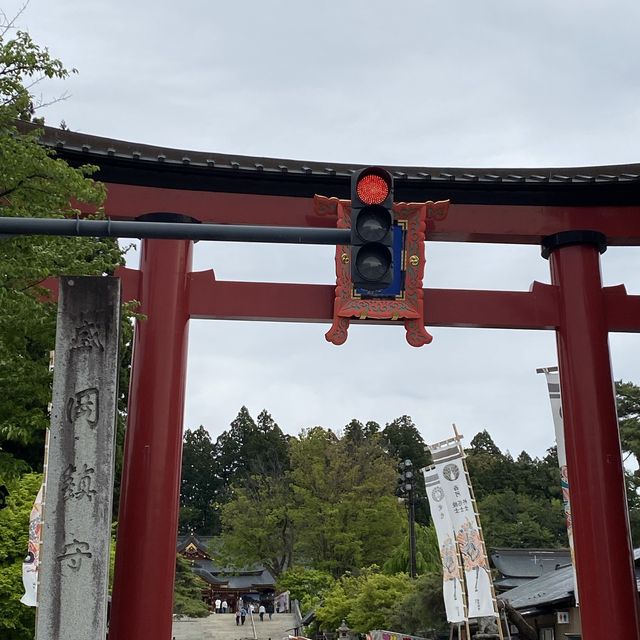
column 412, row 534
column 171, row 230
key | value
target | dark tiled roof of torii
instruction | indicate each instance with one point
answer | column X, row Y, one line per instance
column 132, row 163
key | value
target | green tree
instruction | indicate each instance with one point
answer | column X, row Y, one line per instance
column 427, row 553
column 344, row 510
column 374, row 602
column 366, row 602
column 16, row 620
column 257, row 526
column 248, row 448
column 33, row 182
column 510, row 519
column 253, row 458
column 490, row 470
column 628, row 400
column 187, row 592
column 200, row 484
column 306, row 585
column 402, row 440
column 422, row 610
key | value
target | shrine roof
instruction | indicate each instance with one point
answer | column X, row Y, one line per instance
column 551, row 587
column 529, row 563
column 201, row 543
column 235, row 578
column 127, row 162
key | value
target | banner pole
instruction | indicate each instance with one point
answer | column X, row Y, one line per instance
column 484, row 546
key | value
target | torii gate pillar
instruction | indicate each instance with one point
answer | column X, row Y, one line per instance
column 594, row 458
column 149, row 503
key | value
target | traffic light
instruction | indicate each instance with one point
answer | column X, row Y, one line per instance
column 372, row 229
column 405, row 479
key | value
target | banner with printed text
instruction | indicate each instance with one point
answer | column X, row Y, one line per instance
column 452, row 586
column 32, row 560
column 553, row 385
column 448, row 460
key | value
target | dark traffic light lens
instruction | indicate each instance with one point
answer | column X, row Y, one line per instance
column 372, row 188
column 373, row 262
column 373, row 224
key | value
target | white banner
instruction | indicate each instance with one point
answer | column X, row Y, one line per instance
column 553, row 385
column 452, row 587
column 448, row 458
column 31, row 562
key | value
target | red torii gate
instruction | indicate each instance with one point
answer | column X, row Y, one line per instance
column 572, row 213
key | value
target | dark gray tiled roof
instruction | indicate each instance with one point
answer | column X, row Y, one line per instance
column 207, row 577
column 548, row 588
column 144, row 153
column 502, row 584
column 551, row 587
column 529, row 563
column 236, row 578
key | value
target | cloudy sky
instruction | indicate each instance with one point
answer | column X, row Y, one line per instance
column 413, row 82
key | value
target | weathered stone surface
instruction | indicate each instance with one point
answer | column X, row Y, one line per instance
column 73, row 575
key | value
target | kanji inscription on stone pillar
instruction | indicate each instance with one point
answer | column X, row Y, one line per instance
column 74, row 568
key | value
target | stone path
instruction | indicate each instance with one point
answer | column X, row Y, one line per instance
column 223, row 627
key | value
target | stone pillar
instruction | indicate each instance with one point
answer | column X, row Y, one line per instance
column 74, row 568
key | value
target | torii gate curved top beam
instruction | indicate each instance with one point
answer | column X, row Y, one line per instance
column 487, row 205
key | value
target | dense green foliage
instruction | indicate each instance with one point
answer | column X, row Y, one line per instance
column 16, row 619
column 365, row 601
column 333, row 508
column 34, row 183
column 306, row 585
column 519, row 500
column 427, row 553
column 187, row 593
column 422, row 608
column 199, row 491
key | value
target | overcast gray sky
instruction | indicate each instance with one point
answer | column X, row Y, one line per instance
column 467, row 84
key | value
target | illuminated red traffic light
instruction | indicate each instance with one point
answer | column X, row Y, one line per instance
column 372, row 188
column 372, row 230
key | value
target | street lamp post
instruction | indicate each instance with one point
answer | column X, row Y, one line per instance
column 406, row 488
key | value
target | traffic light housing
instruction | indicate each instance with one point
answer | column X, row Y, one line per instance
column 372, row 230
column 406, row 481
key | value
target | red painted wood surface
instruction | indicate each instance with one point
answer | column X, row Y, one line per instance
column 603, row 551
column 148, row 520
column 464, row 223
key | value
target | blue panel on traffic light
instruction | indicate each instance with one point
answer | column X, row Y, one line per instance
column 397, row 284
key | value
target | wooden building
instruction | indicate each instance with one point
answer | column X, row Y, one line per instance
column 252, row 584
column 548, row 602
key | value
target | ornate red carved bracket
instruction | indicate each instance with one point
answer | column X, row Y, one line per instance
column 408, row 305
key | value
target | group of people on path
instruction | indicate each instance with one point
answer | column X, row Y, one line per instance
column 222, row 606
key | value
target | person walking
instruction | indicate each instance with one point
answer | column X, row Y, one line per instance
column 225, row 606
column 217, row 605
column 270, row 608
column 243, row 615
column 261, row 612
column 238, row 617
